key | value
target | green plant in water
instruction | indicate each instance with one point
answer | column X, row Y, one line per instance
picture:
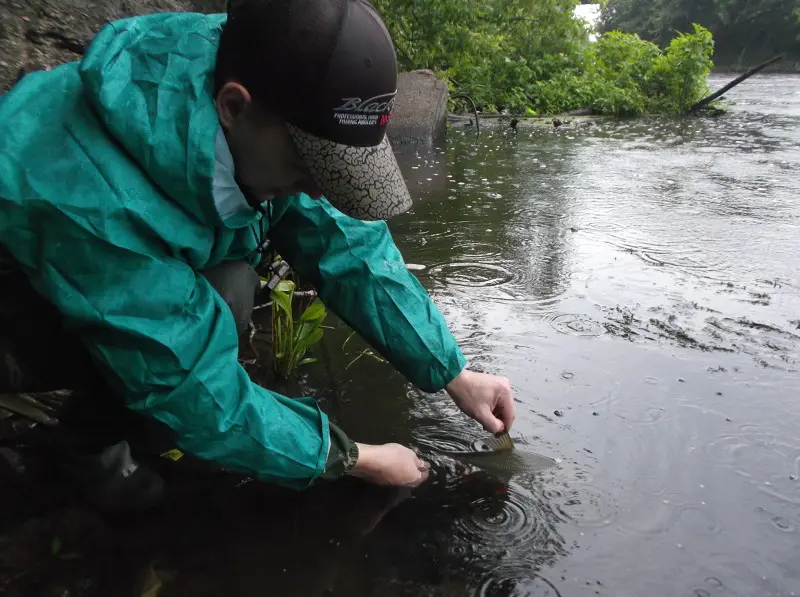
column 291, row 338
column 364, row 353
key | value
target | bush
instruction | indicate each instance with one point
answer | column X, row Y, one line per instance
column 534, row 56
column 624, row 75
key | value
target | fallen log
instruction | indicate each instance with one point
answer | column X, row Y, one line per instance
column 704, row 102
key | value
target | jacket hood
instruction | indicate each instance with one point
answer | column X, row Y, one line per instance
column 150, row 80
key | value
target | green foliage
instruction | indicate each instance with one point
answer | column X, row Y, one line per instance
column 534, row 57
column 493, row 51
column 291, row 338
column 678, row 78
column 748, row 32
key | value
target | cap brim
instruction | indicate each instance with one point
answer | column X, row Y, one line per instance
column 362, row 182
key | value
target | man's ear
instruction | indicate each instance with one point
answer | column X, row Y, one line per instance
column 232, row 101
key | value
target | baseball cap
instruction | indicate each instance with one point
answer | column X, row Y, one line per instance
column 329, row 69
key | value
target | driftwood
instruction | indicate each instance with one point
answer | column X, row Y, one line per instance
column 461, row 95
column 704, row 102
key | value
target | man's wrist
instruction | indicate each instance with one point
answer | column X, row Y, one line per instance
column 342, row 454
column 365, row 462
column 353, row 454
column 455, row 384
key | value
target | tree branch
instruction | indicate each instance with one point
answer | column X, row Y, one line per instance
column 704, row 102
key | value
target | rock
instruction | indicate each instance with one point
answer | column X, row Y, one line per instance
column 558, row 413
column 581, row 112
column 420, row 111
column 41, row 34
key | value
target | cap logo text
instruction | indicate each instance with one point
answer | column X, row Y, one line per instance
column 365, row 112
column 372, row 105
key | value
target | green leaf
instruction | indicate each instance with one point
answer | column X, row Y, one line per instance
column 307, row 361
column 55, row 546
column 286, row 286
column 316, row 310
column 283, row 301
column 313, row 337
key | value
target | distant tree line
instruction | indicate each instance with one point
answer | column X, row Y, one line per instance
column 746, row 32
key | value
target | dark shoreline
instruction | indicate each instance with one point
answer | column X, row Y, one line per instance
column 784, row 67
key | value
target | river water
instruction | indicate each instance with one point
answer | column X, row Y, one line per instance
column 638, row 283
column 641, row 278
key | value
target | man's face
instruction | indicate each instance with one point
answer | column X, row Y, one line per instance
column 264, row 155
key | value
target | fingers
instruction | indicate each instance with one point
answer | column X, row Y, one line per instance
column 490, row 423
column 501, row 416
column 424, row 473
column 506, row 410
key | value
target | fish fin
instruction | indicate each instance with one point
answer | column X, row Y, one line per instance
column 500, row 442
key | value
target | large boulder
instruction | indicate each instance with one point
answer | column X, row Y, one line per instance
column 40, row 34
column 420, row 111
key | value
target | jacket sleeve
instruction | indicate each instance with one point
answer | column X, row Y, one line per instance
column 166, row 340
column 360, row 275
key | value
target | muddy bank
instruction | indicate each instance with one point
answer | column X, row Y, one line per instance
column 40, row 34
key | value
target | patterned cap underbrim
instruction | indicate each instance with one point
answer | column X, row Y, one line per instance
column 362, row 182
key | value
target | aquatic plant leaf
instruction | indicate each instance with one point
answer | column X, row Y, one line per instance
column 315, row 311
column 312, row 337
column 283, row 301
column 293, row 337
column 286, row 286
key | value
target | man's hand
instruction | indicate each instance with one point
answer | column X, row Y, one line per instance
column 389, row 464
column 485, row 398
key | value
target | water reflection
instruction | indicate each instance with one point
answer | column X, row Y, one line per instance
column 511, row 234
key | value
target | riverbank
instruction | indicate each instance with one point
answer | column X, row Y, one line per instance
column 787, row 66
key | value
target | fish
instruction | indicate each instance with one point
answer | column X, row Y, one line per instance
column 40, row 407
column 28, row 407
column 499, row 456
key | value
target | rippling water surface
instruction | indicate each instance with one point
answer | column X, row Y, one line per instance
column 641, row 278
column 638, row 283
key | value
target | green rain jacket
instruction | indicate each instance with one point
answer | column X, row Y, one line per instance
column 113, row 197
